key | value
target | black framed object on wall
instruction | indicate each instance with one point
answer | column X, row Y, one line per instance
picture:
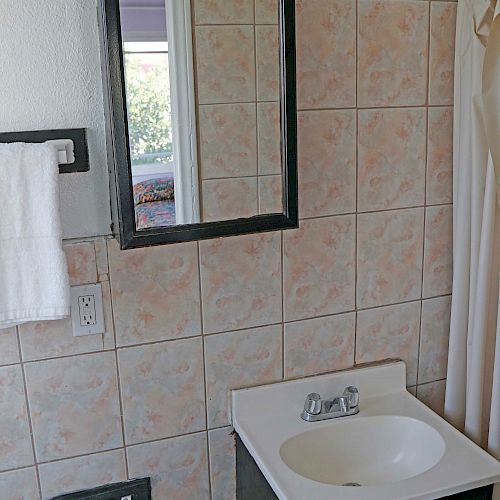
column 125, row 223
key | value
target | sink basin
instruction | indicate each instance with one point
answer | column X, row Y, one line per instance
column 364, row 452
column 395, row 448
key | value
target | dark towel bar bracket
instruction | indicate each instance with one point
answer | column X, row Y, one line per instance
column 77, row 135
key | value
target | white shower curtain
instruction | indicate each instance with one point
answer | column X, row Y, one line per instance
column 473, row 382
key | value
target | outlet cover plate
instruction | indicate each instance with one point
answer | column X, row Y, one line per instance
column 80, row 327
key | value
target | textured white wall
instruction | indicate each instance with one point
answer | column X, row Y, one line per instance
column 50, row 78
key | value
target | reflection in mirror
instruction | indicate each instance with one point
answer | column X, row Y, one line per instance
column 204, row 137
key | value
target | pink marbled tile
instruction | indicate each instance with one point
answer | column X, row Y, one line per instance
column 327, row 162
column 82, row 473
column 225, row 199
column 392, row 52
column 267, row 43
column 9, row 350
column 319, row 268
column 101, row 254
column 225, row 64
column 74, row 405
column 15, row 442
column 19, row 485
column 389, row 256
column 223, row 12
column 433, row 361
column 271, row 194
column 392, row 150
column 239, row 359
column 162, row 389
column 442, row 52
column 440, row 156
column 433, row 395
column 155, row 293
column 82, row 265
column 266, row 11
column 228, row 143
column 108, row 338
column 241, row 281
column 178, row 467
column 326, row 53
column 390, row 332
column 269, row 135
column 438, row 253
column 52, row 339
column 222, row 456
column 319, row 345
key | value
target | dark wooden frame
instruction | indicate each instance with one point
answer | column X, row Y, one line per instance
column 119, row 154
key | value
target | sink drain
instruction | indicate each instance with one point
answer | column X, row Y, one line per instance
column 351, row 484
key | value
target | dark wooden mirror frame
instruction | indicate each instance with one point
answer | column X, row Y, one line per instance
column 119, row 151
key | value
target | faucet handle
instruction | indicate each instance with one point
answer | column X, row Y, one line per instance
column 352, row 395
column 312, row 406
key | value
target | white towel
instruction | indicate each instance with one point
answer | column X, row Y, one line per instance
column 34, row 282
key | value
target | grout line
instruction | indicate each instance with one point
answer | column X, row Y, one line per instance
column 206, row 335
column 366, row 108
column 117, row 373
column 256, row 82
column 427, row 98
column 146, row 344
column 221, row 25
column 283, row 350
column 375, row 211
column 200, row 288
column 432, row 382
column 17, row 469
column 421, row 293
column 417, row 375
column 429, row 39
column 119, row 448
column 158, row 440
column 73, row 457
column 236, row 177
column 209, row 466
column 28, row 412
column 356, row 222
column 204, row 369
column 356, row 53
column 108, row 284
column 10, row 365
column 240, row 103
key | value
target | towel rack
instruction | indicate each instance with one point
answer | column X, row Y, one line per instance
column 71, row 145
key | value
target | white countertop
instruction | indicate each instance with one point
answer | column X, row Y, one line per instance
column 267, row 416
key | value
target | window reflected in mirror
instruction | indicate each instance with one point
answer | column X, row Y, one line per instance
column 150, row 130
column 204, row 137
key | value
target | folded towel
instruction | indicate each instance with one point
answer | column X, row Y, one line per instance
column 34, row 282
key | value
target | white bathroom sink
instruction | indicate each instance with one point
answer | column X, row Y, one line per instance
column 365, row 451
column 395, row 448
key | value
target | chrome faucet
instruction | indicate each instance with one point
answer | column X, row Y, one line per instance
column 340, row 406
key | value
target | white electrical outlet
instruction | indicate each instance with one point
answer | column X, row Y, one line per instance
column 128, row 497
column 86, row 310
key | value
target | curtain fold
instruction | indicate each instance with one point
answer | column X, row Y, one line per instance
column 473, row 383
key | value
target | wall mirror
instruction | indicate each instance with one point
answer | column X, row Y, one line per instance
column 202, row 117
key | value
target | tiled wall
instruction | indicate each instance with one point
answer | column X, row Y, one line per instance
column 237, row 60
column 366, row 277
